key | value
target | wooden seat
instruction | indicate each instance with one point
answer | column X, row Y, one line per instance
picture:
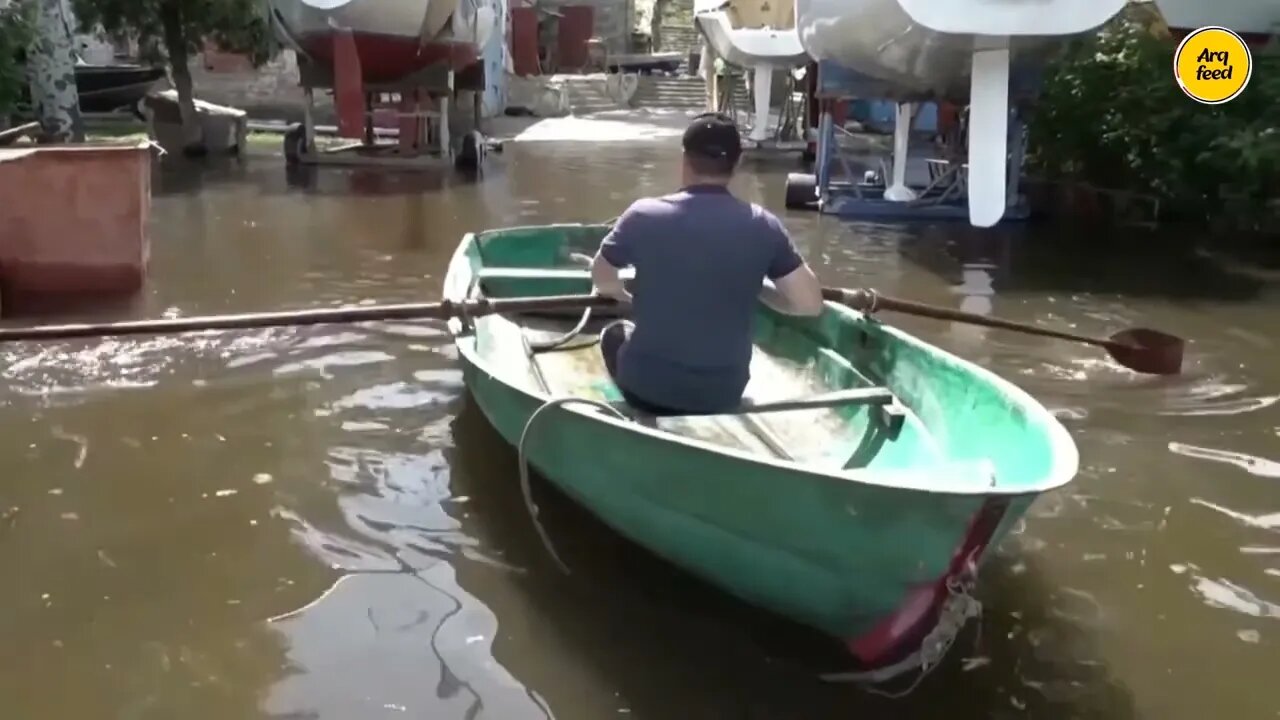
column 533, row 273
column 870, row 396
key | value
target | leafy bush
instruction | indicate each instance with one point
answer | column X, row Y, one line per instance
column 15, row 34
column 1111, row 114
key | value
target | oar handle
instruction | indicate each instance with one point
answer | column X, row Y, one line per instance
column 869, row 301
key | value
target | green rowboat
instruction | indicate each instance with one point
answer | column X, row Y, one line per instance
column 865, row 517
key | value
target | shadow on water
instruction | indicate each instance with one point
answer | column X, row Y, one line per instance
column 1042, row 258
column 180, row 177
column 622, row 604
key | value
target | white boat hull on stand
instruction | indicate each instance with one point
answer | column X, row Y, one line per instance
column 748, row 47
column 763, row 50
column 953, row 49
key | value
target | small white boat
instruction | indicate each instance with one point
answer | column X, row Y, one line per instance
column 1247, row 17
column 954, row 49
column 756, row 35
column 393, row 38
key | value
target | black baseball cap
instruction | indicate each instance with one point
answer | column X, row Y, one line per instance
column 713, row 135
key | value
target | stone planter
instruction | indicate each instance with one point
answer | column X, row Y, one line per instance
column 73, row 223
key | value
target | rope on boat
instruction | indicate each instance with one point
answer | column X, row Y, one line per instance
column 959, row 607
column 557, row 342
column 524, row 466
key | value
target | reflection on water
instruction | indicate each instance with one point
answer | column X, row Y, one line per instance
column 317, row 522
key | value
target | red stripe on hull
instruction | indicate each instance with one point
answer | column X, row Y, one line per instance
column 899, row 634
column 385, row 58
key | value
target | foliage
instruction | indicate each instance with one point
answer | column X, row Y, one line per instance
column 234, row 25
column 15, row 35
column 1111, row 114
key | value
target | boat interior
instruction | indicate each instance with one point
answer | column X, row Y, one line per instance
column 843, row 369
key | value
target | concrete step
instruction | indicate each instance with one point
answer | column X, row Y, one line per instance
column 681, row 39
column 671, row 95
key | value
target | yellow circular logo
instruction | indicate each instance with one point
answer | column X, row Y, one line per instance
column 1212, row 65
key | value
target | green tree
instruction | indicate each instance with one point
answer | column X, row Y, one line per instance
column 15, row 35
column 1111, row 114
column 171, row 31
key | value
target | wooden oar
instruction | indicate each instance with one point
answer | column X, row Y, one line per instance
column 407, row 311
column 1139, row 349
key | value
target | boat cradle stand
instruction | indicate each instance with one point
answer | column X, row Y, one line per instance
column 836, row 188
column 429, row 134
column 788, row 134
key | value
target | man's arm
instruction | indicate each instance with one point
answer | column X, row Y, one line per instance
column 617, row 251
column 791, row 287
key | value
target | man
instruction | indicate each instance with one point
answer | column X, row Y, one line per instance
column 702, row 260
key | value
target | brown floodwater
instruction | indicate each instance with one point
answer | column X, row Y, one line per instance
column 317, row 522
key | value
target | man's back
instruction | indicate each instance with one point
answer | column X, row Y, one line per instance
column 700, row 257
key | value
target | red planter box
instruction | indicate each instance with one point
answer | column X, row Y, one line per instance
column 73, row 221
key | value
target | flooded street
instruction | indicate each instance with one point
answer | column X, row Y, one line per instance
column 316, row 522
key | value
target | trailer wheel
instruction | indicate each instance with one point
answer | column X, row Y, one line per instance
column 471, row 151
column 801, row 191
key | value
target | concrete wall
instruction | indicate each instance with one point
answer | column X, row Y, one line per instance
column 270, row 91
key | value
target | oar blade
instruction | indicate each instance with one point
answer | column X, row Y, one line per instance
column 1147, row 351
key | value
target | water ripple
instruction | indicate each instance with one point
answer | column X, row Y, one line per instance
column 1252, row 464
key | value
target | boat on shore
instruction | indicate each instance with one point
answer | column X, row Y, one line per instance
column 104, row 88
column 858, row 491
column 748, row 34
column 757, row 36
column 971, row 52
column 392, row 39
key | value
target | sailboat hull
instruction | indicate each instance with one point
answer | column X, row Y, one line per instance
column 393, row 39
column 749, row 47
column 923, row 48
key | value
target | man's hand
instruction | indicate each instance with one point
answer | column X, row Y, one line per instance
column 608, row 281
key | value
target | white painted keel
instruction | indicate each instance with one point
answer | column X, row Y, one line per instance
column 988, row 133
column 763, row 87
column 897, row 190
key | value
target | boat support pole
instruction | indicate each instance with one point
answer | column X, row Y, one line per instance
column 897, row 189
column 763, row 86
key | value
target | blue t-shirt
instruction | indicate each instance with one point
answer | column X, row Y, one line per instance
column 700, row 256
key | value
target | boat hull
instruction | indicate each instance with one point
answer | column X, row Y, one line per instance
column 924, row 48
column 751, row 47
column 393, row 39
column 863, row 560
column 387, row 58
column 103, row 88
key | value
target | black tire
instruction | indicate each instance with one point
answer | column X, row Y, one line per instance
column 801, row 191
column 294, row 144
column 471, row 151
